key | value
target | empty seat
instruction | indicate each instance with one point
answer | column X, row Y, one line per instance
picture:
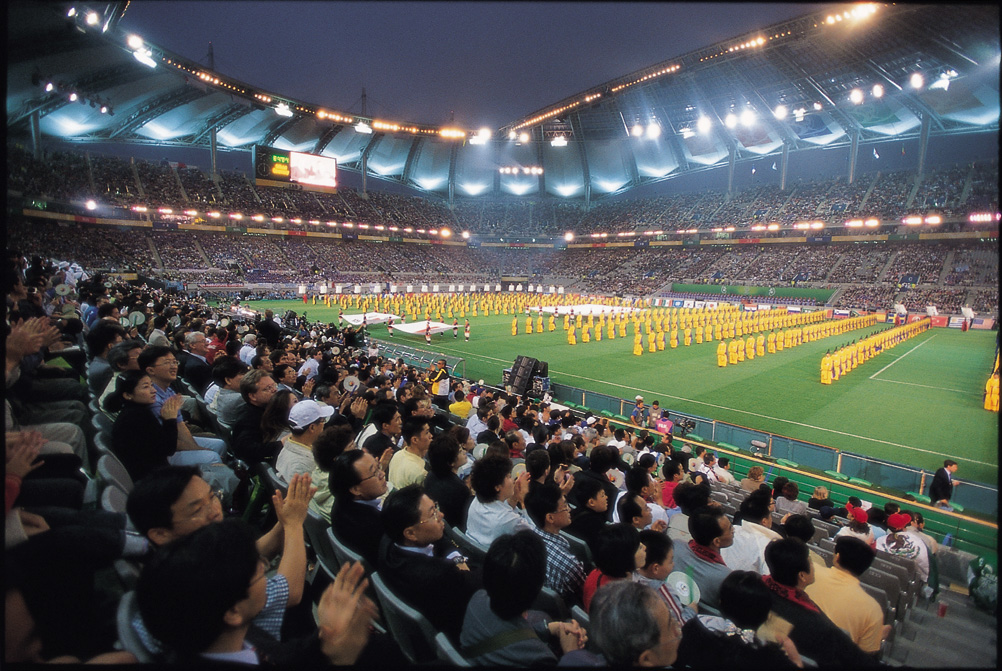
column 410, row 629
column 113, row 472
column 127, row 636
column 473, row 550
column 448, row 653
column 113, row 499
column 315, row 528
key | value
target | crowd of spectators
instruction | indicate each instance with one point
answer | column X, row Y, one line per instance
column 923, row 264
column 947, row 301
column 867, row 296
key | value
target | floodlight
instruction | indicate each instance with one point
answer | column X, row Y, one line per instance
column 465, row 235
column 49, row 86
column 730, row 121
column 704, row 124
column 134, row 42
column 568, row 236
column 523, row 137
column 73, row 97
column 445, row 233
column 917, row 80
column 362, row 127
column 144, row 56
column 559, row 141
column 637, row 130
column 653, row 131
column 92, row 18
column 878, row 91
column 283, row 110
column 747, row 117
column 72, row 12
column 856, row 96
column 512, row 135
column 817, row 107
column 104, row 109
column 485, row 133
column 90, row 205
column 780, row 112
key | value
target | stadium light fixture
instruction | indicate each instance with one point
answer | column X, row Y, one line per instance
column 191, row 213
column 780, row 112
column 145, row 56
column 817, row 107
column 911, row 221
column 283, row 110
column 637, row 130
column 559, row 141
column 817, row 224
column 568, row 236
column 934, row 220
column 466, row 235
column 856, row 96
column 747, row 117
column 90, row 205
column 364, row 128
column 73, row 97
column 523, row 137
column 917, row 81
column 871, row 223
column 484, row 133
column 92, row 18
column 730, row 121
column 445, row 233
column 653, row 131
column 71, row 12
column 704, row 124
column 512, row 135
column 49, row 86
column 134, row 42
column 878, row 91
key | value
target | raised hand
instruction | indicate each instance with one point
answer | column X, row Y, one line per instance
column 292, row 510
column 343, row 615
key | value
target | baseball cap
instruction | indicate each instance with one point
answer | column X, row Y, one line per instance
column 858, row 514
column 306, row 412
column 898, row 521
column 639, row 397
column 590, row 421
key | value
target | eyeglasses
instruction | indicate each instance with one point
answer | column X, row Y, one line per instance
column 434, row 515
column 378, row 472
column 166, row 362
column 271, row 388
column 205, row 504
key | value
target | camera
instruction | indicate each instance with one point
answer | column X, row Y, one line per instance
column 684, row 426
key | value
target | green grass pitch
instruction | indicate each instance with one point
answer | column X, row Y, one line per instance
column 915, row 404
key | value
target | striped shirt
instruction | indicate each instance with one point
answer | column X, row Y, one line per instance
column 564, row 572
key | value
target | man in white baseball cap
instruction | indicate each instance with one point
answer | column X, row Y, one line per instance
column 307, row 420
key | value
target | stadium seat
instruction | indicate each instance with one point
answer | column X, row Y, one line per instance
column 787, row 463
column 127, row 636
column 473, row 550
column 102, row 422
column 113, row 473
column 552, row 604
column 696, row 437
column 580, row 550
column 838, row 476
column 344, row 553
column 272, row 480
column 895, row 592
column 447, row 652
column 128, row 572
column 316, row 527
column 920, row 498
column 886, row 604
column 113, row 499
column 860, row 482
column 578, row 613
column 410, row 629
column 102, row 442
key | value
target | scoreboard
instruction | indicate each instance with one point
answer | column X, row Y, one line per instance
column 280, row 167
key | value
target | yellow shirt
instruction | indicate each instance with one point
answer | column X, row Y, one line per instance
column 839, row 596
column 406, row 468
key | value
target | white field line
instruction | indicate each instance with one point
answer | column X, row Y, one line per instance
column 899, row 358
column 929, row 386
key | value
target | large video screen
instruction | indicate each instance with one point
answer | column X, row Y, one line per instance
column 313, row 170
column 278, row 165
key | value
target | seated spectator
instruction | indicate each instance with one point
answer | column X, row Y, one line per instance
column 386, row 420
column 257, row 389
column 548, row 509
column 730, row 640
column 498, row 628
column 102, row 337
column 461, row 406
column 629, row 627
column 638, row 482
column 227, row 373
column 858, row 526
column 307, row 419
column 800, row 526
column 673, row 475
column 618, row 553
column 275, row 418
column 711, row 532
column 602, row 459
column 496, row 506
column 420, row 564
column 334, row 441
column 588, row 519
column 408, row 467
column 196, row 371
column 756, row 477
column 788, row 503
column 131, row 403
column 689, row 497
column 723, row 471
column 819, row 499
column 777, row 486
column 122, row 357
column 216, row 578
column 839, row 595
column 358, row 483
column 660, row 562
column 814, row 634
column 752, row 535
column 902, row 541
column 442, row 484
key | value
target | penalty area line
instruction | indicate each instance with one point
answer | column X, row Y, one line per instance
column 900, row 358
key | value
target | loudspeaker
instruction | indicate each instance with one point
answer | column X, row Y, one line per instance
column 542, row 369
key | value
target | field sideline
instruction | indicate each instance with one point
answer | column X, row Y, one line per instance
column 915, row 404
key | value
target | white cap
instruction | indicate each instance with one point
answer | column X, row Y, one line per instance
column 591, row 420
column 306, row 412
column 639, row 397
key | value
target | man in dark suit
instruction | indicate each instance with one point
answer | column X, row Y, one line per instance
column 941, row 488
column 357, row 482
column 422, row 566
column 196, row 370
column 270, row 330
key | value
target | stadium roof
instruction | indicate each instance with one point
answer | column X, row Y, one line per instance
column 869, row 74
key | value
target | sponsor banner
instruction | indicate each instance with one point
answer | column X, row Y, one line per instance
column 222, row 286
column 918, row 317
column 819, row 238
column 938, row 321
column 955, row 322
column 793, row 308
column 749, row 307
column 983, row 323
column 841, row 314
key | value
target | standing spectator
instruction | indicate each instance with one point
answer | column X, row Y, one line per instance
column 941, row 487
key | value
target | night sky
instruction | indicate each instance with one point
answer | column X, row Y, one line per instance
column 489, row 63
